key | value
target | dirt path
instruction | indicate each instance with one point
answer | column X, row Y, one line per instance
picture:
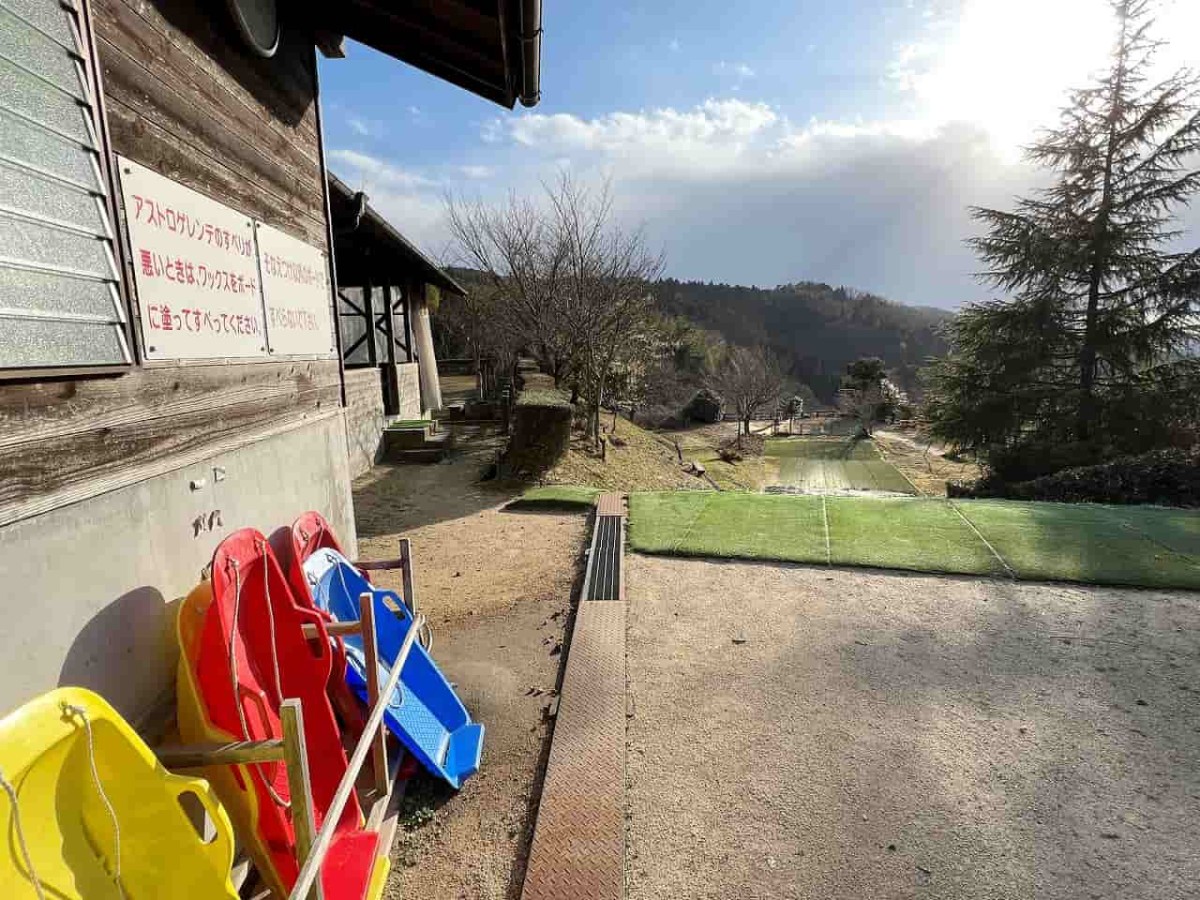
column 802, row 733
column 496, row 586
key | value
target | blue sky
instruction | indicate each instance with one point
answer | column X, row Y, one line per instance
column 760, row 142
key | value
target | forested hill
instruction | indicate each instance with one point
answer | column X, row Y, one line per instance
column 816, row 329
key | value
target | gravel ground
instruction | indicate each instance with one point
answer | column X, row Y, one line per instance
column 808, row 733
column 496, row 586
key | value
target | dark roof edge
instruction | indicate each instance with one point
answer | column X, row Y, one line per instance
column 437, row 275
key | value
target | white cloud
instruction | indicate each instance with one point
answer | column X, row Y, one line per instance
column 737, row 191
column 359, row 127
column 477, row 172
column 372, row 170
column 687, row 142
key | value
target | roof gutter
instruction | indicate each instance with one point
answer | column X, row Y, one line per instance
column 531, row 52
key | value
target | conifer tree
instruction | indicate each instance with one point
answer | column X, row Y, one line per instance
column 1100, row 296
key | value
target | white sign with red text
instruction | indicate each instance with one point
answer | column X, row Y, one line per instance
column 195, row 270
column 296, row 294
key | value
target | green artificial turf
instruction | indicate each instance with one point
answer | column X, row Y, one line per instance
column 921, row 535
column 821, row 465
column 549, row 496
column 1090, row 544
column 1139, row 546
column 820, row 448
column 704, row 523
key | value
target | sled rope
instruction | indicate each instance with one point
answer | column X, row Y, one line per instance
column 16, row 816
column 112, row 813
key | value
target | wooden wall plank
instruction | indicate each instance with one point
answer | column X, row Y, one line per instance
column 196, row 76
column 159, row 150
column 198, row 131
column 79, row 434
column 185, row 98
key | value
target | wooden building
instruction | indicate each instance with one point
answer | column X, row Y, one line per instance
column 385, row 286
column 170, row 365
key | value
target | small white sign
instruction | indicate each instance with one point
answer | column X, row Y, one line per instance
column 296, row 294
column 195, row 270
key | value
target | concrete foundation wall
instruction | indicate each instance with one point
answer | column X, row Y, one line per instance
column 409, row 377
column 364, row 418
column 91, row 585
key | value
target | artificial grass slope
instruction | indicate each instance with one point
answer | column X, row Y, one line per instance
column 1139, row 546
column 919, row 535
column 1143, row 546
column 708, row 523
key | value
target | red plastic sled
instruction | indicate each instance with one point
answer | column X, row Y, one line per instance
column 309, row 533
column 248, row 606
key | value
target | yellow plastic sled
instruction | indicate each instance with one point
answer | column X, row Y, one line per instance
column 86, row 810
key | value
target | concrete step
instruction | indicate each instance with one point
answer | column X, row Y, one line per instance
column 424, row 455
column 405, row 438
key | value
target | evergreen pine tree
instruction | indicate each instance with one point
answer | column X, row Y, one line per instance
column 1100, row 296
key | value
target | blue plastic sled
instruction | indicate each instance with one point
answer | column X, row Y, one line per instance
column 424, row 712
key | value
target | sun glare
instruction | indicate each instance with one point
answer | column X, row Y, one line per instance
column 1008, row 65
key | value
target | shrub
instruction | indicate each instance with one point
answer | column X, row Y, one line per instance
column 541, row 432
column 1164, row 477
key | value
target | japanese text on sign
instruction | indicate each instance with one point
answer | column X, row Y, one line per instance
column 195, row 270
column 295, row 283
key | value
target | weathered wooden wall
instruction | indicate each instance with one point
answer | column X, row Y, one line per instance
column 183, row 97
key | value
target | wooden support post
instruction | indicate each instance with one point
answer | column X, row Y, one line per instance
column 333, row 629
column 379, row 760
column 311, row 868
column 295, row 754
column 196, row 756
column 406, row 574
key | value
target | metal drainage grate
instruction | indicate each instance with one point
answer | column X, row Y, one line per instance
column 604, row 564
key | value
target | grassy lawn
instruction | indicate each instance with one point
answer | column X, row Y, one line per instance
column 556, row 496
column 1093, row 544
column 921, row 535
column 707, row 523
column 1141, row 546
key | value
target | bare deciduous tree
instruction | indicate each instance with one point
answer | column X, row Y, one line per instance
column 518, row 253
column 607, row 303
column 750, row 380
column 572, row 287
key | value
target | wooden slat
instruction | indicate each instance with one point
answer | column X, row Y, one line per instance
column 333, row 629
column 280, row 86
column 143, row 141
column 201, row 131
column 62, row 442
column 35, row 412
column 91, row 484
column 408, row 575
column 295, row 754
column 379, row 760
column 311, row 868
column 197, row 756
column 144, row 36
